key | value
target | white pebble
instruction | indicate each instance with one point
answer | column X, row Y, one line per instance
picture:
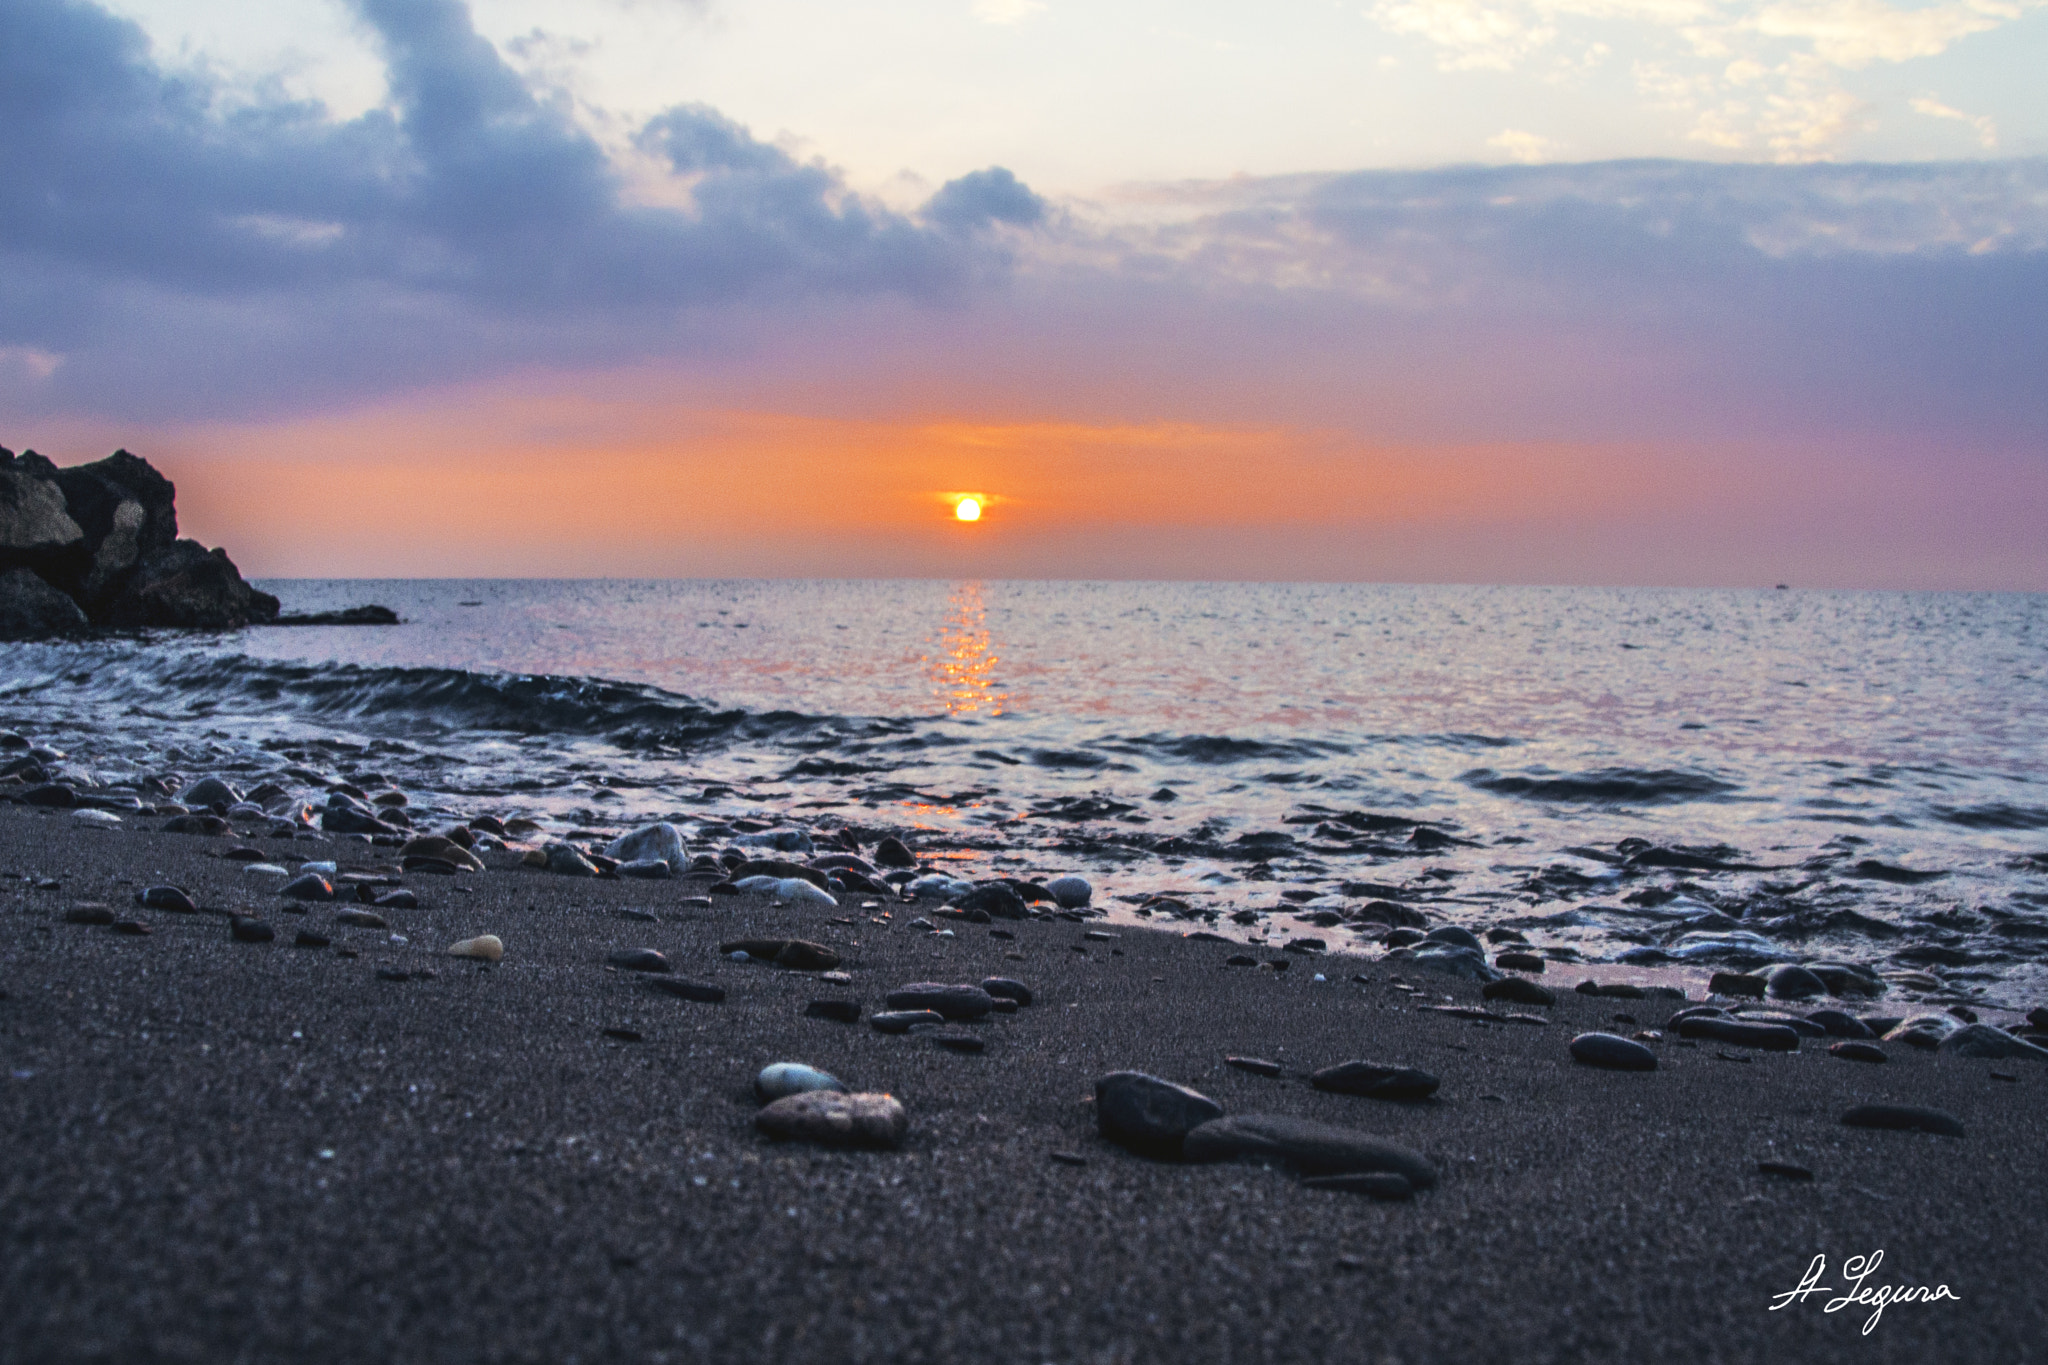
column 487, row 947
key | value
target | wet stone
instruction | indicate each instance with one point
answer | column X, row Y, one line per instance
column 1313, row 1148
column 1858, row 1052
column 1769, row 1037
column 792, row 1078
column 1904, row 1118
column 1518, row 990
column 1841, row 1024
column 1258, row 1066
column 955, row 1002
column 701, row 992
column 1982, row 1040
column 1788, row 982
column 362, row 919
column 243, row 929
column 1004, row 988
column 639, row 960
column 1147, row 1114
column 1376, row 1081
column 166, row 898
column 133, row 928
column 483, row 948
column 309, row 886
column 1612, row 1053
column 1519, row 962
column 1737, row 983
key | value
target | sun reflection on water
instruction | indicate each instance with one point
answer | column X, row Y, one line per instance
column 963, row 660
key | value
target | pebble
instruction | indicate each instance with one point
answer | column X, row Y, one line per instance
column 1769, row 1037
column 639, row 960
column 892, row 852
column 1070, row 893
column 567, row 860
column 959, row 1002
column 1518, row 990
column 902, row 1021
column 682, row 987
column 1387, row 1185
column 1785, row 1169
column 836, row 978
column 1006, row 988
column 1519, row 962
column 1149, row 1115
column 1789, row 982
column 1858, row 1052
column 960, row 1042
column 1258, row 1066
column 1737, row 983
column 791, row 954
column 89, row 914
column 393, row 974
column 1982, row 1040
column 1455, row 936
column 440, row 848
column 484, row 948
column 362, row 919
column 792, row 1078
column 1841, row 1024
column 55, row 795
column 104, row 819
column 166, row 898
column 398, row 898
column 1376, row 1081
column 267, row 869
column 646, row 870
column 1612, row 1052
column 994, row 898
column 839, row 1011
column 209, row 791
column 309, row 887
column 134, row 928
column 835, row 1120
column 1070, row 1158
column 1906, row 1117
column 326, row 868
column 1313, row 1148
column 243, row 929
column 306, row 938
column 660, row 842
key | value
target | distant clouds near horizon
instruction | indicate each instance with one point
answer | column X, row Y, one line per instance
column 1654, row 370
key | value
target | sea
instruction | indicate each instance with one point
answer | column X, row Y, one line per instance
column 1624, row 778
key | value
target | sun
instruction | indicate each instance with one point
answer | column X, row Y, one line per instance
column 968, row 509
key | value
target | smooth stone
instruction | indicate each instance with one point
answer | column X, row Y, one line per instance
column 309, row 887
column 1737, row 983
column 344, row 819
column 1378, row 1184
column 781, row 840
column 1520, row 962
column 660, row 842
column 1147, row 1114
column 839, row 1011
column 1784, row 1169
column 832, row 1119
column 1004, row 988
column 362, row 919
column 567, row 860
column 1313, row 1148
column 1446, row 959
column 1455, row 936
column 1799, row 1024
column 398, row 898
column 1924, row 1031
column 1982, row 1040
column 243, row 929
column 639, row 960
column 960, row 1042
column 104, row 819
column 893, row 852
column 1070, row 893
column 306, row 938
column 1904, row 1117
column 208, row 792
column 646, row 870
column 1378, row 1082
column 1858, row 1052
column 1841, row 1024
column 1258, row 1066
column 484, row 948
column 1518, row 990
column 443, row 849
column 799, row 891
column 195, row 824
column 433, row 867
column 995, row 899
column 89, row 914
column 902, row 1021
column 790, row 954
column 1769, row 1037
column 1612, row 1052
column 952, row 1001
column 682, row 987
column 131, row 927
column 792, row 1078
column 1004, row 1005
column 166, row 898
column 1789, row 982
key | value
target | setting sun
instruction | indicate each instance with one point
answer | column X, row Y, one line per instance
column 968, row 509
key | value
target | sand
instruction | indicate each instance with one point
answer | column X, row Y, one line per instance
column 229, row 1151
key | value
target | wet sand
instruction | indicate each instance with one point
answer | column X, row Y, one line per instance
column 229, row 1151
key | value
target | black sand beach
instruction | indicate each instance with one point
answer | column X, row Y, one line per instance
column 230, row 1151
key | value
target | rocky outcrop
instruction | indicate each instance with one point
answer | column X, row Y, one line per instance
column 103, row 538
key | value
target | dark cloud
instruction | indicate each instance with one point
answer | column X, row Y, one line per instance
column 471, row 219
column 983, row 197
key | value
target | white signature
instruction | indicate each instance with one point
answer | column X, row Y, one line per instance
column 1859, row 1269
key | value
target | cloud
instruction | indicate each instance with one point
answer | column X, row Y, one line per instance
column 1756, row 75
column 1525, row 147
column 1007, row 11
column 982, row 198
column 469, row 218
column 1986, row 126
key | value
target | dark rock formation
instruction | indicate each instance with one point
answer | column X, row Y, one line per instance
column 104, row 538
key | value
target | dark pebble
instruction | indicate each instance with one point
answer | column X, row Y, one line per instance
column 393, row 974
column 625, row 1035
column 952, row 1001
column 362, row 919
column 399, row 899
column 1150, row 1115
column 1519, row 962
column 1070, row 1158
column 1240, row 960
column 246, row 930
column 1378, row 1082
column 839, row 1011
column 1615, row 1054
column 1518, row 990
column 306, row 938
column 166, row 898
column 134, row 928
column 310, row 887
column 702, row 992
column 1379, row 1184
column 246, row 855
column 1905, row 1117
column 902, row 1021
column 1858, row 1052
column 639, row 960
column 1770, row 1037
column 1258, row 1066
column 1841, row 1024
column 89, row 914
column 1737, row 983
column 960, row 1042
column 1003, row 988
column 1783, row 1168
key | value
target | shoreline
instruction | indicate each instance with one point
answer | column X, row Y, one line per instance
column 506, row 1181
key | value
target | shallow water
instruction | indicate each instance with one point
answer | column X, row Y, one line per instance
column 1223, row 741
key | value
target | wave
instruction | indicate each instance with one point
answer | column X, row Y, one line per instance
column 1603, row 786
column 1996, row 815
column 438, row 700
column 1214, row 749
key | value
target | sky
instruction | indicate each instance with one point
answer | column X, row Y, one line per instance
column 1550, row 291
